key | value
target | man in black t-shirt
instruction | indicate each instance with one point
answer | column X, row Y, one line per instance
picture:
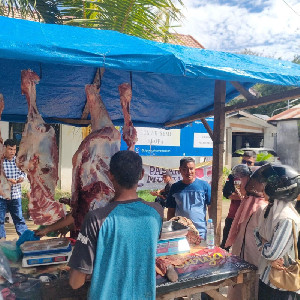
column 162, row 195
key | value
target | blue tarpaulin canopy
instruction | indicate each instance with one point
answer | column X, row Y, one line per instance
column 169, row 82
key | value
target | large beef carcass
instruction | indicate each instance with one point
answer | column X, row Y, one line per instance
column 129, row 132
column 91, row 186
column 38, row 158
column 5, row 185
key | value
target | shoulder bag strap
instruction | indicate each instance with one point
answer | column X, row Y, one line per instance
column 295, row 241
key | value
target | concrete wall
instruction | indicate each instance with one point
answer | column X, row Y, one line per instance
column 70, row 139
column 269, row 137
column 247, row 125
column 288, row 143
column 228, row 146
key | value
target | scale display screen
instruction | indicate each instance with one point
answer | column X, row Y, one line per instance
column 46, row 260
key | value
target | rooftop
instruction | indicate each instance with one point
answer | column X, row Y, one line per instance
column 290, row 114
column 15, row 14
column 184, row 40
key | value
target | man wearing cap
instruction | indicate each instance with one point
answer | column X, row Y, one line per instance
column 229, row 192
column 161, row 195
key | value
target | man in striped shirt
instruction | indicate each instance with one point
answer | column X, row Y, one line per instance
column 15, row 176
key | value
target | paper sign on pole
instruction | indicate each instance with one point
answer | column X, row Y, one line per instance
column 202, row 140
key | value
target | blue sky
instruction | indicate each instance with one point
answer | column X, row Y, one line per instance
column 269, row 27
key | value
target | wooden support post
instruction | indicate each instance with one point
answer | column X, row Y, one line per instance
column 218, row 149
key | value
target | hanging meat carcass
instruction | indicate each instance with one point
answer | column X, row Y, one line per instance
column 38, row 158
column 129, row 132
column 5, row 185
column 91, row 186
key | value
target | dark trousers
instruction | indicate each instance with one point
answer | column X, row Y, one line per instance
column 226, row 229
column 14, row 206
column 161, row 201
column 267, row 293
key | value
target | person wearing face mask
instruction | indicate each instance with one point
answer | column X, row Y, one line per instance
column 246, row 219
column 190, row 197
column 14, row 205
column 229, row 192
column 275, row 231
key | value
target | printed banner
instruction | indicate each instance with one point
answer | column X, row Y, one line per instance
column 153, row 180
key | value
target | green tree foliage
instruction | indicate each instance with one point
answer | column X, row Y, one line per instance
column 46, row 10
column 267, row 89
column 149, row 19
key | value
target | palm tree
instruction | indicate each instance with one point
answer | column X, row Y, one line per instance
column 38, row 10
column 149, row 19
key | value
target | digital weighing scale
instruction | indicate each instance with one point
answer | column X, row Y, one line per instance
column 173, row 239
column 46, row 252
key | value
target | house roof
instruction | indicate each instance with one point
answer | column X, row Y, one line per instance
column 169, row 82
column 290, row 114
column 16, row 14
column 184, row 40
column 263, row 117
column 251, row 117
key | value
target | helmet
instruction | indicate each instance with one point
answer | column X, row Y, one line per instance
column 240, row 171
column 282, row 182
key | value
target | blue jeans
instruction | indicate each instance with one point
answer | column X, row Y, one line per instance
column 14, row 206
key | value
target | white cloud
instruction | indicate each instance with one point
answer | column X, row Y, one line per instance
column 268, row 27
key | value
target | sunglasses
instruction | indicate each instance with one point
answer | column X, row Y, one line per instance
column 248, row 162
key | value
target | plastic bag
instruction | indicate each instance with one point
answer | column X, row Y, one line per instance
column 11, row 251
column 5, row 270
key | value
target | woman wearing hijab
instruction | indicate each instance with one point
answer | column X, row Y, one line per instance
column 274, row 235
column 241, row 236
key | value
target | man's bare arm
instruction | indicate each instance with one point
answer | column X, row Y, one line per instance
column 67, row 221
column 76, row 279
column 209, row 211
column 13, row 181
column 170, row 213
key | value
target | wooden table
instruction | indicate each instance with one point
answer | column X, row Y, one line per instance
column 245, row 278
column 60, row 288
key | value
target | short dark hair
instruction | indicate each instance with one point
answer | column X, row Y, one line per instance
column 167, row 173
column 186, row 160
column 10, row 142
column 249, row 153
column 126, row 167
